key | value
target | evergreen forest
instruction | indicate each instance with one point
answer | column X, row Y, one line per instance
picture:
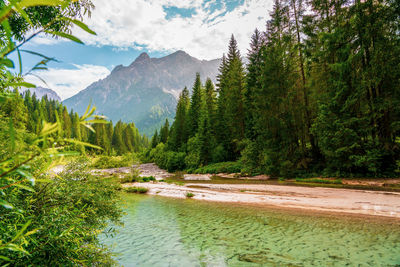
column 320, row 95
column 316, row 95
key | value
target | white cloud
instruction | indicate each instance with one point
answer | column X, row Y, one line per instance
column 126, row 23
column 68, row 82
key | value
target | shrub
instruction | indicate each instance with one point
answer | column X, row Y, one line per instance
column 147, row 179
column 221, row 167
column 189, row 195
column 139, row 190
column 69, row 211
column 131, row 177
column 107, row 162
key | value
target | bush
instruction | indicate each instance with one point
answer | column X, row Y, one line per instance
column 108, row 162
column 168, row 160
column 139, row 190
column 68, row 210
column 189, row 195
column 131, row 177
column 221, row 167
column 147, row 179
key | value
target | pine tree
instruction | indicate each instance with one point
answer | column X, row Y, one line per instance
column 164, row 131
column 117, row 140
column 254, row 69
column 195, row 106
column 205, row 136
column 234, row 100
column 154, row 140
column 179, row 130
column 274, row 100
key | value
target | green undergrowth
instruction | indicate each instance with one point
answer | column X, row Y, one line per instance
column 108, row 162
column 189, row 195
column 138, row 190
column 220, row 167
column 134, row 177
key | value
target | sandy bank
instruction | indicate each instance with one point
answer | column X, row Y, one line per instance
column 316, row 199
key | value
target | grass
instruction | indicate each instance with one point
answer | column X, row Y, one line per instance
column 138, row 190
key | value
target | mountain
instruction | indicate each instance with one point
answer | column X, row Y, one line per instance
column 41, row 92
column 146, row 91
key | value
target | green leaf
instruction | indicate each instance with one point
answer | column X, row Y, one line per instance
column 73, row 141
column 88, row 112
column 80, row 24
column 39, row 55
column 89, row 127
column 21, row 231
column 26, row 175
column 14, row 247
column 22, row 84
column 97, row 121
column 27, row 188
column 66, row 35
column 29, row 3
column 32, row 232
column 7, row 62
column 5, row 12
column 19, row 61
column 5, row 204
column 4, row 258
column 7, row 29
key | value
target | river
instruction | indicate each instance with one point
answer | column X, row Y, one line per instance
column 162, row 231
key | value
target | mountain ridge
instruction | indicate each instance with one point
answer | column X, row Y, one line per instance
column 144, row 92
column 41, row 92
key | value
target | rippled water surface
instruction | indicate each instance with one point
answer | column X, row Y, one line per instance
column 170, row 232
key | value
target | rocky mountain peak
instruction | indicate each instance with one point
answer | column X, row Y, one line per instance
column 142, row 57
column 145, row 92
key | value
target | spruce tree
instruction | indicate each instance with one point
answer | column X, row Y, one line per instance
column 117, row 140
column 164, row 131
column 154, row 140
column 254, row 70
column 234, row 100
column 179, row 130
column 195, row 106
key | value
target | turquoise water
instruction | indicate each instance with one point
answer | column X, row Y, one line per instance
column 171, row 232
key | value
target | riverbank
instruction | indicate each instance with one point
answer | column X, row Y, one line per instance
column 315, row 199
column 260, row 191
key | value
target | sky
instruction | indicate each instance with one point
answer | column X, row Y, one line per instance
column 126, row 28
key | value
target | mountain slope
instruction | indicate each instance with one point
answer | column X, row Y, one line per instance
column 144, row 92
column 41, row 92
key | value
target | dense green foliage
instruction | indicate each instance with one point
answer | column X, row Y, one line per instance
column 320, row 95
column 47, row 219
column 107, row 162
column 220, row 167
column 139, row 190
column 115, row 140
column 65, row 214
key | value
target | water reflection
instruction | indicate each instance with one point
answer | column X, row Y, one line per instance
column 167, row 232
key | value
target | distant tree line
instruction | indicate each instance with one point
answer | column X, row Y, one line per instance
column 29, row 112
column 320, row 94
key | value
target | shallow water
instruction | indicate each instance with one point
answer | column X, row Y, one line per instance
column 174, row 232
